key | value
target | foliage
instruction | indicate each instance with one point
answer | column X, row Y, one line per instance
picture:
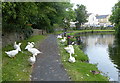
column 115, row 17
column 42, row 15
column 81, row 15
column 69, row 16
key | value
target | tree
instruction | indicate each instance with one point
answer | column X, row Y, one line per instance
column 70, row 17
column 115, row 17
column 81, row 15
column 42, row 15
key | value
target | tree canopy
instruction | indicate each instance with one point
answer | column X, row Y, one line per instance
column 115, row 17
column 81, row 14
column 42, row 15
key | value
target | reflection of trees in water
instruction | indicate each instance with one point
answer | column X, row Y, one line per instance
column 119, row 76
column 114, row 52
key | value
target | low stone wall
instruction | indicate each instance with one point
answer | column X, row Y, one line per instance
column 10, row 38
column 38, row 32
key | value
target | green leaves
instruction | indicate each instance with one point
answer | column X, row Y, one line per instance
column 115, row 17
column 81, row 14
column 41, row 14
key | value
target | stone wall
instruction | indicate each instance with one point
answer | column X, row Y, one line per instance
column 38, row 32
column 10, row 38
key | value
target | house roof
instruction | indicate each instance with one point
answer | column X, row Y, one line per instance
column 101, row 16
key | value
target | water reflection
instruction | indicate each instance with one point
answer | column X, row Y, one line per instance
column 114, row 52
column 103, row 50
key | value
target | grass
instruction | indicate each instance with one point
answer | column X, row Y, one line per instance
column 18, row 68
column 79, row 70
column 58, row 32
column 80, row 31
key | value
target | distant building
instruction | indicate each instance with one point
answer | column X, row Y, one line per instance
column 92, row 21
column 97, row 20
column 103, row 20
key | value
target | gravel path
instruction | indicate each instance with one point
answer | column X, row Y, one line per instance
column 48, row 66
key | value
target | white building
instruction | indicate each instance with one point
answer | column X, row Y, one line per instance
column 92, row 21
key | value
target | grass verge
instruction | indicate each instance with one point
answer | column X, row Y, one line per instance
column 80, row 70
column 18, row 68
column 81, row 31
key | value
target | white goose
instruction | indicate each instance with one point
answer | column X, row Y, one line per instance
column 30, row 45
column 34, row 51
column 70, row 49
column 59, row 36
column 32, row 60
column 17, row 46
column 71, row 59
column 63, row 40
column 12, row 53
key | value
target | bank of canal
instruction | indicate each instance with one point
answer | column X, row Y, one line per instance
column 80, row 70
column 103, row 50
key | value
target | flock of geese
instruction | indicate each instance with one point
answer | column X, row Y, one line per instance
column 69, row 49
column 29, row 47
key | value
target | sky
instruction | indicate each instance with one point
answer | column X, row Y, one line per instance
column 101, row 7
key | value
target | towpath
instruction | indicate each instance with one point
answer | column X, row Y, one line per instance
column 48, row 66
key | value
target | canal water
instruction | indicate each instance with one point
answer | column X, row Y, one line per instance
column 103, row 50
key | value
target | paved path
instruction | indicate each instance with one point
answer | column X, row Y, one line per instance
column 48, row 66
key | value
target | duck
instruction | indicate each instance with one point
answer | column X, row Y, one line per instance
column 12, row 53
column 17, row 46
column 71, row 59
column 34, row 51
column 70, row 49
column 59, row 36
column 32, row 60
column 63, row 40
column 94, row 72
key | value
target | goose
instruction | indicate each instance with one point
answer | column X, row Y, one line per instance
column 17, row 46
column 70, row 49
column 59, row 36
column 34, row 51
column 30, row 45
column 63, row 40
column 32, row 60
column 71, row 59
column 33, row 43
column 12, row 53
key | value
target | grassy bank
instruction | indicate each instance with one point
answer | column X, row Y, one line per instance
column 18, row 68
column 83, row 31
column 80, row 70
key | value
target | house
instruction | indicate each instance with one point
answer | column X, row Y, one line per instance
column 97, row 20
column 92, row 21
column 103, row 20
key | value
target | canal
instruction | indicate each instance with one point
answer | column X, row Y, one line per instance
column 103, row 50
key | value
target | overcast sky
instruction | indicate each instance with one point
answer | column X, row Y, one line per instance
column 101, row 7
